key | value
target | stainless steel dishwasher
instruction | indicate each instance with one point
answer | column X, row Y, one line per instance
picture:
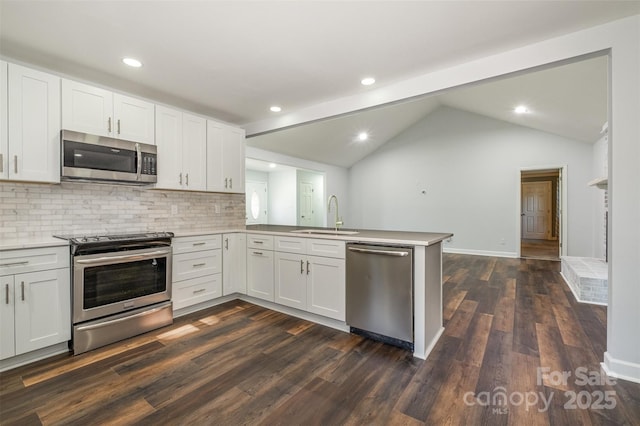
column 380, row 292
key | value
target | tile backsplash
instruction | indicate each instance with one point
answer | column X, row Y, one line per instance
column 32, row 210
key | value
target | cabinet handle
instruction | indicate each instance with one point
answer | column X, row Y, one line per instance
column 199, row 291
column 15, row 164
column 1, row 163
column 258, row 242
column 226, row 181
column 226, row 243
column 180, row 178
column 118, row 126
column 308, row 268
column 230, row 182
column 302, row 266
column 6, row 292
column 259, row 253
column 187, row 177
column 109, row 125
column 196, row 265
column 15, row 263
column 22, row 289
column 199, row 244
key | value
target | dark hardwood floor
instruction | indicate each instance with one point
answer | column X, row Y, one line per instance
column 540, row 249
column 238, row 363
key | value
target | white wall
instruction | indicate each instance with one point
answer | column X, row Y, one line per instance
column 282, row 197
column 336, row 178
column 469, row 165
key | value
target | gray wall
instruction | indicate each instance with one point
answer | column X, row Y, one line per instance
column 469, row 167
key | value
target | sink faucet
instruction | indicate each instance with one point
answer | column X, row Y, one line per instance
column 339, row 222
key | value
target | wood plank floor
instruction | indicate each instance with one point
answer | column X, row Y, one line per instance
column 238, row 364
column 540, row 249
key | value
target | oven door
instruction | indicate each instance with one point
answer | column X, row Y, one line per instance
column 110, row 283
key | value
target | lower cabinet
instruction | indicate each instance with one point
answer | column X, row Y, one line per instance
column 234, row 263
column 260, row 266
column 35, row 308
column 311, row 283
column 196, row 270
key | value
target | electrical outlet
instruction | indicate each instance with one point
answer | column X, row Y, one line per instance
column 174, row 209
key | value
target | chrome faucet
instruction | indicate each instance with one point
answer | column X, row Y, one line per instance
column 339, row 222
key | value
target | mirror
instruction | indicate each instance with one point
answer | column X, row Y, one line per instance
column 279, row 194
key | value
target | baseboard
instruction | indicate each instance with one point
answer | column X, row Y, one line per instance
column 204, row 305
column 619, row 369
column 508, row 254
column 431, row 345
column 566, row 281
column 37, row 355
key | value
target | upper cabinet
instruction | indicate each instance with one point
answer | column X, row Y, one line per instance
column 225, row 158
column 100, row 112
column 182, row 144
column 30, row 137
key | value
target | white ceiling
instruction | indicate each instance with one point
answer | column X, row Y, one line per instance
column 234, row 59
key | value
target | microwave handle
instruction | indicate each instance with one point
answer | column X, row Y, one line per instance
column 139, row 168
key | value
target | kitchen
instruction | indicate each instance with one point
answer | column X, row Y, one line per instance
column 124, row 209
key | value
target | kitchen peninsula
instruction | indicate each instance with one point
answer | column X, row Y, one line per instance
column 427, row 270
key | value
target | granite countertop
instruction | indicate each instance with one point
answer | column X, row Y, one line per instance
column 363, row 235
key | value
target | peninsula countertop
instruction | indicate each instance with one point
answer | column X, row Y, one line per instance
column 358, row 235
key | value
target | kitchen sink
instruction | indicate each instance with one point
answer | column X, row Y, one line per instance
column 324, row 231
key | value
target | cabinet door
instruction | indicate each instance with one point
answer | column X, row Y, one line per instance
column 290, row 280
column 42, row 309
column 260, row 274
column 215, row 169
column 234, row 263
column 233, row 158
column 169, row 143
column 7, row 324
column 326, row 287
column 4, row 141
column 134, row 119
column 87, row 109
column 194, row 152
column 34, row 125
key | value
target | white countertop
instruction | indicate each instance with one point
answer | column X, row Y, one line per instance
column 32, row 242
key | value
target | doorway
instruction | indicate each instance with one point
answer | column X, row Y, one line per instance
column 540, row 219
column 256, row 202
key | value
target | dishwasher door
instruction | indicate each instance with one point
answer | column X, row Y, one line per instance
column 379, row 295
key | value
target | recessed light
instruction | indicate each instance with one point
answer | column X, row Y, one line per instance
column 275, row 108
column 368, row 81
column 521, row 109
column 132, row 62
column 363, row 136
column 272, row 165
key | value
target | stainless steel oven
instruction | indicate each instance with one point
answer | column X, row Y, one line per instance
column 121, row 287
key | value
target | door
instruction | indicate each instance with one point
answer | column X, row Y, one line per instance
column 34, row 125
column 7, row 324
column 305, row 202
column 536, row 210
column 194, row 152
column 290, row 280
column 234, row 263
column 233, row 157
column 134, row 119
column 87, row 109
column 169, row 142
column 256, row 203
column 326, row 287
column 42, row 309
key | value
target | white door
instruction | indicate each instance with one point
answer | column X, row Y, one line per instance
column 290, row 280
column 169, row 143
column 134, row 119
column 536, row 210
column 4, row 141
column 34, row 125
column 256, row 203
column 305, row 201
column 87, row 109
column 7, row 324
column 194, row 152
column 326, row 287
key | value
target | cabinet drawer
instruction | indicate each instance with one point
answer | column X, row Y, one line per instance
column 197, row 264
column 326, row 248
column 196, row 290
column 31, row 260
column 291, row 245
column 264, row 242
column 197, row 243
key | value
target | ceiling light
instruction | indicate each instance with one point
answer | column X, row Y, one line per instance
column 272, row 165
column 368, row 81
column 521, row 109
column 363, row 136
column 275, row 109
column 132, row 62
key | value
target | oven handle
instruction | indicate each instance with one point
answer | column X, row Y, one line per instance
column 117, row 320
column 124, row 258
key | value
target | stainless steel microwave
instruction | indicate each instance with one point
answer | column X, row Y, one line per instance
column 98, row 158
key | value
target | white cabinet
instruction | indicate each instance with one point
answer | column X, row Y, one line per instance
column 98, row 111
column 225, row 158
column 182, row 150
column 31, row 149
column 260, row 266
column 196, row 270
column 310, row 275
column 35, row 290
column 4, row 141
column 234, row 263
